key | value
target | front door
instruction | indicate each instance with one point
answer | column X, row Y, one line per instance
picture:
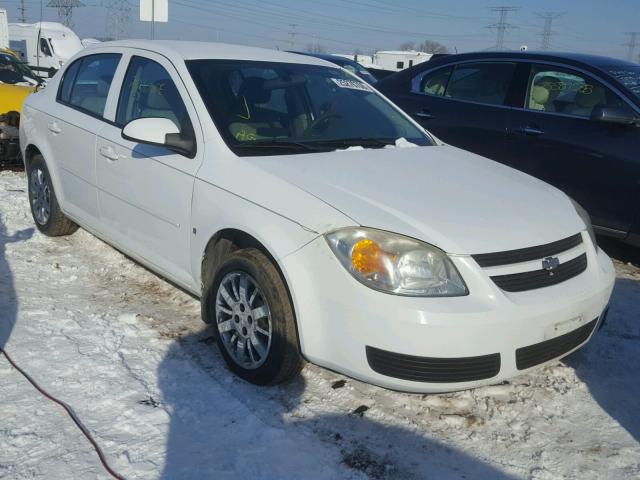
column 144, row 191
column 555, row 139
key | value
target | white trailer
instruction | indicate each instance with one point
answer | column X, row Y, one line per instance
column 399, row 60
column 4, row 29
column 44, row 45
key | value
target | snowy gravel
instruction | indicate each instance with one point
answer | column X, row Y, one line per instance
column 128, row 351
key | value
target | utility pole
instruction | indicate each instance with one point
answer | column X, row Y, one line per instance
column 502, row 26
column 65, row 10
column 547, row 32
column 118, row 19
column 292, row 34
column 23, row 10
column 632, row 44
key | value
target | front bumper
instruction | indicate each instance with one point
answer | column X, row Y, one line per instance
column 338, row 318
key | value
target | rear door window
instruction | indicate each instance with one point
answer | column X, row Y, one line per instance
column 435, row 83
column 484, row 82
column 557, row 90
column 86, row 86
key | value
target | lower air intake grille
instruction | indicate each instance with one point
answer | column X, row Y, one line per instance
column 436, row 370
column 520, row 282
column 527, row 357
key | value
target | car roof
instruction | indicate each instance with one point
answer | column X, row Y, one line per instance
column 326, row 56
column 583, row 59
column 187, row 50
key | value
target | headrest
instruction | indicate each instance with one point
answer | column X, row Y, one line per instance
column 540, row 94
column 157, row 96
column 254, row 91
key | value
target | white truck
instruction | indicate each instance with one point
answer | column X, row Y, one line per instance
column 44, row 46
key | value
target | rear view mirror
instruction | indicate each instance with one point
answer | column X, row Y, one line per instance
column 160, row 132
column 620, row 116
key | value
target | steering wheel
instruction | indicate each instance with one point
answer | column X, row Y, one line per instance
column 322, row 119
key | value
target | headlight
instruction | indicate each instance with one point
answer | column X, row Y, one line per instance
column 396, row 264
column 584, row 215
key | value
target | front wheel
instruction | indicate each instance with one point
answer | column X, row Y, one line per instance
column 44, row 205
column 255, row 320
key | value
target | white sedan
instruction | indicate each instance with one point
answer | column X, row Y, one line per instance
column 312, row 217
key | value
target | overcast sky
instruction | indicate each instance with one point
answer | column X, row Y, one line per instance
column 342, row 26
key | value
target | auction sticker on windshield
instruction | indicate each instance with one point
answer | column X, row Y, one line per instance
column 352, row 84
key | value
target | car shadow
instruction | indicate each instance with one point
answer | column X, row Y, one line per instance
column 222, row 427
column 610, row 363
column 620, row 251
column 8, row 299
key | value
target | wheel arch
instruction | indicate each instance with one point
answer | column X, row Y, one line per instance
column 219, row 246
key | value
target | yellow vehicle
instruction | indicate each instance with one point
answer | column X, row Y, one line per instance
column 17, row 81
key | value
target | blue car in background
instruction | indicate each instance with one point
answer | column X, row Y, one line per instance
column 571, row 120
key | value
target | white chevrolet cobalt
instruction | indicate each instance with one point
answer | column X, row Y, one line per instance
column 312, row 217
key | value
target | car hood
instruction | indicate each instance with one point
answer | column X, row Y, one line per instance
column 458, row 201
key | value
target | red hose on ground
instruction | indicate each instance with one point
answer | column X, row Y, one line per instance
column 71, row 413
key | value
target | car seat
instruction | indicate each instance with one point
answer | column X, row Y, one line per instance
column 96, row 103
column 162, row 101
column 586, row 99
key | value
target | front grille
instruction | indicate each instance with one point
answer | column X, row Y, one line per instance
column 527, row 357
column 520, row 282
column 435, row 370
column 527, row 254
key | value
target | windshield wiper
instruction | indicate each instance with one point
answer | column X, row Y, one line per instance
column 369, row 142
column 276, row 144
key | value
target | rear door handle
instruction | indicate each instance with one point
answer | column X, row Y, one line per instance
column 528, row 130
column 109, row 153
column 424, row 114
column 54, row 128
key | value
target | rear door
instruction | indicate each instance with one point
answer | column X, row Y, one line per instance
column 554, row 138
column 144, row 191
column 464, row 104
column 72, row 124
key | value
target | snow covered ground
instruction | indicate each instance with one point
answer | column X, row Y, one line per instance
column 128, row 351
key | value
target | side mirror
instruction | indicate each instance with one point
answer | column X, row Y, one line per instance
column 160, row 132
column 616, row 115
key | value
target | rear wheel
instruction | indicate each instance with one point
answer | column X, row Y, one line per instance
column 44, row 205
column 255, row 320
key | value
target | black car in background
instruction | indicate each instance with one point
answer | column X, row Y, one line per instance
column 571, row 120
column 346, row 63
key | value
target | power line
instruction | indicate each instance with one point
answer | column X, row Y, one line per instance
column 65, row 10
column 502, row 26
column 547, row 32
column 632, row 44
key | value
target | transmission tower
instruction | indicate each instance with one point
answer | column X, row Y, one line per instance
column 292, row 33
column 502, row 26
column 23, row 10
column 118, row 19
column 65, row 10
column 546, row 34
column 632, row 44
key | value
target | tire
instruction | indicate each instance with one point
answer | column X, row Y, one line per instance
column 246, row 283
column 45, row 209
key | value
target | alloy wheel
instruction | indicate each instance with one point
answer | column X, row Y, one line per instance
column 244, row 319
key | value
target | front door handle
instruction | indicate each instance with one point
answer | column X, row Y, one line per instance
column 109, row 153
column 423, row 114
column 528, row 130
column 54, row 128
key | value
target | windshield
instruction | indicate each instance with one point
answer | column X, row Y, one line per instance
column 629, row 76
column 265, row 108
column 13, row 71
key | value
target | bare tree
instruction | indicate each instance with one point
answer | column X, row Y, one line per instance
column 406, row 46
column 316, row 48
column 431, row 46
